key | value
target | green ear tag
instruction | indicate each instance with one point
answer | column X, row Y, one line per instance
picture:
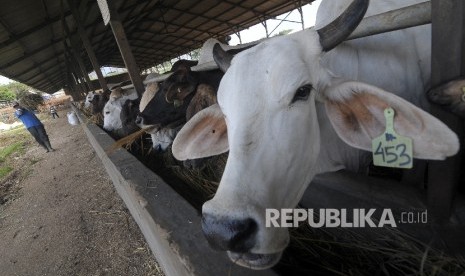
column 392, row 149
column 177, row 103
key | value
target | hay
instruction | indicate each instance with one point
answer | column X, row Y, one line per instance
column 205, row 180
column 127, row 141
column 97, row 119
column 384, row 251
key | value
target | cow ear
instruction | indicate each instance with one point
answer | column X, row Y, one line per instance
column 148, row 95
column 356, row 111
column 202, row 136
column 185, row 85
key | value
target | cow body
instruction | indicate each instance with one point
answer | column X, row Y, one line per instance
column 403, row 56
column 290, row 108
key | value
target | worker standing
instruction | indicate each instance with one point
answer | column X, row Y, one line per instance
column 53, row 111
column 33, row 125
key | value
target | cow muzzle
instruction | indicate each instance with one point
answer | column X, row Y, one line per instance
column 255, row 261
column 237, row 237
column 139, row 121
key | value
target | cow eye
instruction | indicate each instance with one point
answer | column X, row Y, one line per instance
column 302, row 93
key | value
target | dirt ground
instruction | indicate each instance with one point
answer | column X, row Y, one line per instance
column 63, row 215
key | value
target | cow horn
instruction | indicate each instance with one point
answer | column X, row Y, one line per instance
column 221, row 57
column 337, row 31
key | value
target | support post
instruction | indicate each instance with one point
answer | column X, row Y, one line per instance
column 447, row 62
column 125, row 49
column 77, row 57
column 87, row 45
column 265, row 26
column 301, row 12
column 77, row 74
column 70, row 85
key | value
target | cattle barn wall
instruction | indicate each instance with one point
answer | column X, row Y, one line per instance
column 447, row 62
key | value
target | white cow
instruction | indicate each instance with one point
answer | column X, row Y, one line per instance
column 291, row 107
column 163, row 138
column 112, row 109
column 89, row 98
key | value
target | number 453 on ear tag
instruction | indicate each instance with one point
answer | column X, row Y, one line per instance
column 392, row 149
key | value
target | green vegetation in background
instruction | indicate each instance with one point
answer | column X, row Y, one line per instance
column 11, row 90
column 6, row 94
column 12, row 136
column 8, row 150
column 12, row 141
column 27, row 96
column 5, row 171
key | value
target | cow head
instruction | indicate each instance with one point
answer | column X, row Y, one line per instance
column 163, row 138
column 111, row 116
column 98, row 101
column 89, row 98
column 170, row 102
column 267, row 116
column 128, row 115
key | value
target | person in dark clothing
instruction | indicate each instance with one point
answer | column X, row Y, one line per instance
column 53, row 111
column 33, row 125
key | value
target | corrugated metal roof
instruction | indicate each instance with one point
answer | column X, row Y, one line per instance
column 34, row 40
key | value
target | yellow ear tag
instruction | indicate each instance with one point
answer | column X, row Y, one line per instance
column 391, row 149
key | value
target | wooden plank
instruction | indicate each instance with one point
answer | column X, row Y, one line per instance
column 447, row 62
column 125, row 49
column 87, row 45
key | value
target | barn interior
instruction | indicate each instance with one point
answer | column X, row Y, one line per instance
column 52, row 45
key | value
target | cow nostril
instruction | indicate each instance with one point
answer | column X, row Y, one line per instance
column 229, row 234
column 138, row 120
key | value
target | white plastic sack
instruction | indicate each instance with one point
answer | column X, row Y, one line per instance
column 72, row 118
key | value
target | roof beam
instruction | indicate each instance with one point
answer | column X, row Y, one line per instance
column 56, row 76
column 44, row 5
column 135, row 20
column 125, row 49
column 35, row 68
column 31, row 79
column 87, row 45
column 45, row 23
column 20, row 43
column 29, row 54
